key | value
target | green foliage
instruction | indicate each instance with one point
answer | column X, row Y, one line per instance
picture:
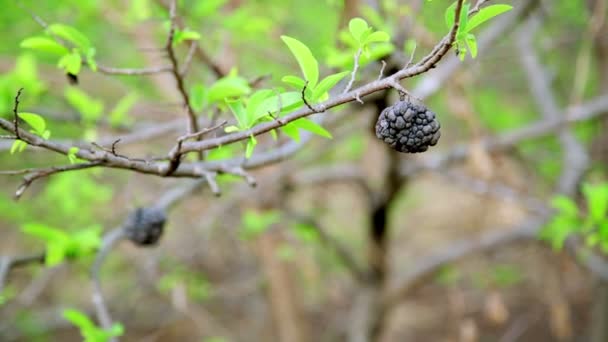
column 570, row 220
column 89, row 108
column 308, row 63
column 69, row 43
column 185, row 35
column 257, row 222
column 38, row 125
column 118, row 115
column 89, row 331
column 360, row 37
column 62, row 246
column 72, row 154
column 464, row 38
column 230, row 87
column 23, row 75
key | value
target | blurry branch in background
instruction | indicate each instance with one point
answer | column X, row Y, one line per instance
column 575, row 160
column 8, row 263
column 345, row 256
column 143, row 227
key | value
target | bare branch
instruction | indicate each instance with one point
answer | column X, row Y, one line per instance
column 16, row 114
column 8, row 263
column 35, row 174
column 132, row 72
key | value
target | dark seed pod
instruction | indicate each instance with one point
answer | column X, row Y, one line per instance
column 408, row 126
column 145, row 226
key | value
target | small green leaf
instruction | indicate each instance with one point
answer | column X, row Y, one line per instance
column 307, row 62
column 291, row 131
column 90, row 109
column 450, row 15
column 228, row 87
column 256, row 100
column 290, row 100
column 326, row 84
column 462, row 26
column 44, row 44
column 597, row 201
column 472, row 44
column 197, row 96
column 565, row 205
column 186, row 34
column 294, row 81
column 256, row 223
column 71, row 63
column 357, row 28
column 312, row 127
column 240, row 113
column 35, row 121
column 18, row 146
column 250, row 146
column 377, row 37
column 118, row 115
column 70, row 34
column 231, row 129
column 72, row 154
column 486, row 14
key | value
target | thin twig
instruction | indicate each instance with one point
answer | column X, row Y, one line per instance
column 132, row 72
column 354, row 72
column 16, row 114
column 41, row 173
column 109, row 240
column 381, row 74
column 188, row 60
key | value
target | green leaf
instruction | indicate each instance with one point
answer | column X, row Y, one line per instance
column 486, row 14
column 78, row 318
column 377, row 37
column 597, row 201
column 289, row 101
column 18, row 146
column 307, row 62
column 197, row 96
column 312, row 127
column 326, row 84
column 472, row 44
column 357, row 28
column 250, row 147
column 72, row 154
column 43, row 232
column 291, row 131
column 450, row 15
column 462, row 26
column 118, row 115
column 44, row 44
column 90, row 109
column 294, row 81
column 228, row 87
column 256, row 100
column 35, row 121
column 240, row 113
column 54, row 254
column 90, row 54
column 71, row 63
column 186, row 34
column 70, row 34
column 565, row 205
column 231, row 129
